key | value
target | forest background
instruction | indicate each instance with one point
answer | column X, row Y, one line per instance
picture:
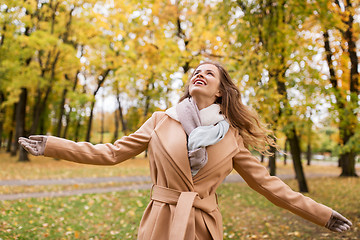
column 96, row 70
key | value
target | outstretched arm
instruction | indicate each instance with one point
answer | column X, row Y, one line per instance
column 99, row 154
column 275, row 190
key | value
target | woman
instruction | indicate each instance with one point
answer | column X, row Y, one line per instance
column 192, row 147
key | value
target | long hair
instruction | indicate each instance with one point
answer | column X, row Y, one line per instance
column 241, row 117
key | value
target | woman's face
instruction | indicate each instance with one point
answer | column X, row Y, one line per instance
column 205, row 82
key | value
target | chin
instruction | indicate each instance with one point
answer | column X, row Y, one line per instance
column 196, row 91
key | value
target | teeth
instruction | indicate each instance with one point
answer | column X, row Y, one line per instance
column 199, row 82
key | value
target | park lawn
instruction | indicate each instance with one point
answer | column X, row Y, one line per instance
column 246, row 214
column 48, row 168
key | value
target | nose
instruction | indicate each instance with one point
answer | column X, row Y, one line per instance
column 199, row 74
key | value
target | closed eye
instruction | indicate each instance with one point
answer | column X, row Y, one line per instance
column 211, row 73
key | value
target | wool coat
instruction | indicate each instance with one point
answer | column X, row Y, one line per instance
column 182, row 206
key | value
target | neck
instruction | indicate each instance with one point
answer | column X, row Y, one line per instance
column 202, row 103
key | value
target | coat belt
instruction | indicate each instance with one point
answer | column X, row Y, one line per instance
column 184, row 202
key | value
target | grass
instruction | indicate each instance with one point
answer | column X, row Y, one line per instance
column 246, row 214
column 45, row 168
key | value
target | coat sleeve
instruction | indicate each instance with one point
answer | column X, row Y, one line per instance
column 102, row 154
column 275, row 190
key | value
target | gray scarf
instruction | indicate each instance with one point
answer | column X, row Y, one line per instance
column 199, row 136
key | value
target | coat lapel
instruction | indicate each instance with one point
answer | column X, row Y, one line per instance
column 217, row 153
column 173, row 138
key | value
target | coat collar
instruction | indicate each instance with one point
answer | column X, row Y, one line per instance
column 173, row 139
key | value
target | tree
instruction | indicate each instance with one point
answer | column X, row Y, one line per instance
column 267, row 40
column 340, row 34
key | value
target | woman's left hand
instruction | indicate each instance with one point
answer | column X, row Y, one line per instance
column 338, row 223
column 34, row 144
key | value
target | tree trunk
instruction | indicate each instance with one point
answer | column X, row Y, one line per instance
column 116, row 132
column 61, row 113
column 9, row 143
column 13, row 145
column 348, row 165
column 38, row 110
column 285, row 151
column 20, row 124
column 296, row 156
column 308, row 154
column 88, row 131
column 102, row 121
column 2, row 116
column 67, row 116
column 77, row 129
column 347, row 160
column 272, row 161
column 101, row 80
column 122, row 119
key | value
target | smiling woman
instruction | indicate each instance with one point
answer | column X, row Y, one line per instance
column 192, row 147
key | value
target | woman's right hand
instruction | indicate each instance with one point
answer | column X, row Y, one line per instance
column 34, row 144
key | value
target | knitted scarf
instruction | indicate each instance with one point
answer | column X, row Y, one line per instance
column 203, row 128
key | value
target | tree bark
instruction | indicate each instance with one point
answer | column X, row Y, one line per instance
column 67, row 117
column 308, row 154
column 12, row 145
column 9, row 142
column 285, row 150
column 20, row 124
column 2, row 116
column 11, row 132
column 348, row 165
column 121, row 115
column 116, row 131
column 88, row 132
column 77, row 129
column 61, row 113
column 296, row 156
column 102, row 121
column 272, row 161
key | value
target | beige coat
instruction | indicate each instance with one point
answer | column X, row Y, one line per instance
column 182, row 206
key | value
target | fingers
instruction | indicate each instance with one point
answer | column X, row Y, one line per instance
column 31, row 149
column 340, row 217
column 339, row 226
column 25, row 141
column 37, row 137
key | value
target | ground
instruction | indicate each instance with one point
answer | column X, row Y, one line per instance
column 116, row 215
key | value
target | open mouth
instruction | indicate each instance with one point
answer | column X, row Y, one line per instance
column 199, row 82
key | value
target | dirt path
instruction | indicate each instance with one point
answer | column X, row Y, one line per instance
column 138, row 183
